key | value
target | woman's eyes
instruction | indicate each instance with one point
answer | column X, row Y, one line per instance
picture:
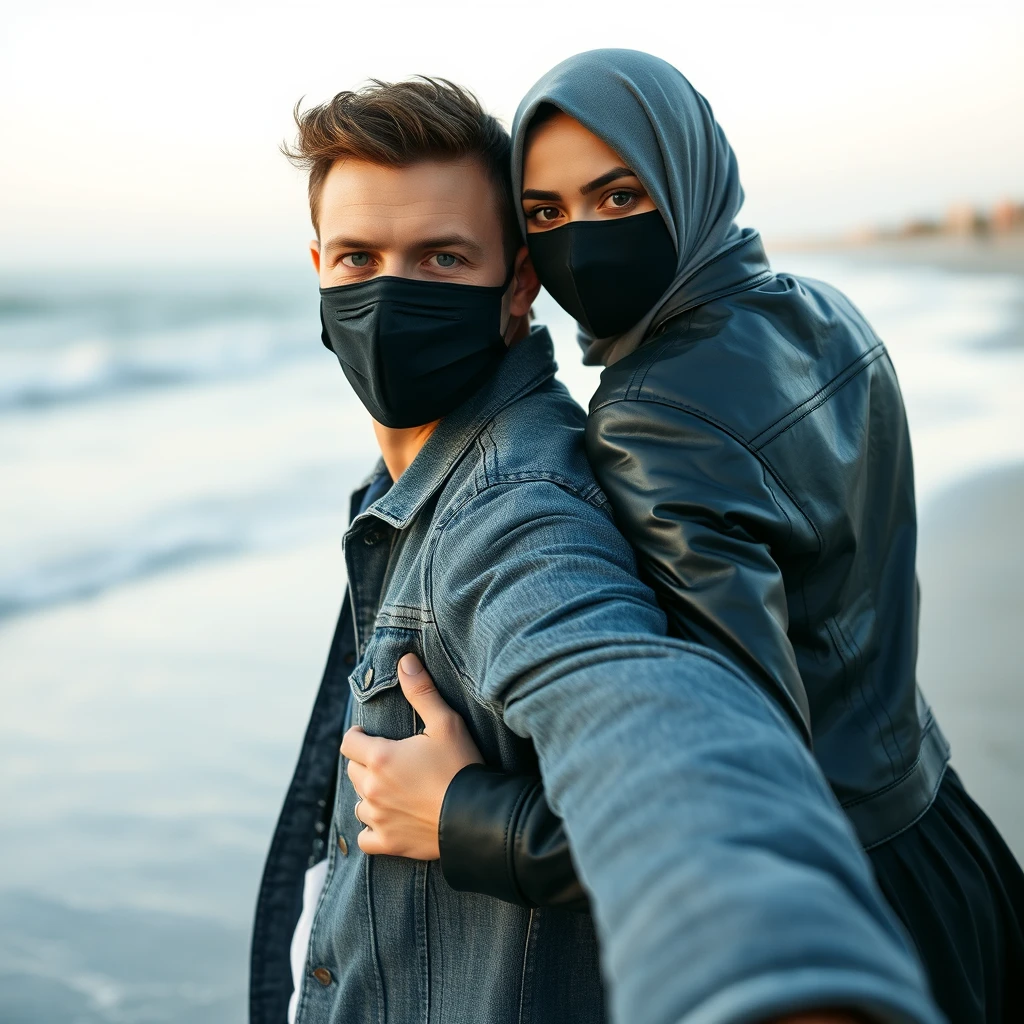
column 622, row 200
column 613, row 202
column 544, row 214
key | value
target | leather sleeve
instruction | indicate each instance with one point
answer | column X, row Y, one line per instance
column 499, row 837
column 702, row 513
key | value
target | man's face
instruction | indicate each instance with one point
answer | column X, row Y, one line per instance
column 430, row 221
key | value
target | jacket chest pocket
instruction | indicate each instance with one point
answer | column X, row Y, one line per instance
column 380, row 706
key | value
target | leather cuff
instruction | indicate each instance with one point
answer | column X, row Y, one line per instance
column 477, row 830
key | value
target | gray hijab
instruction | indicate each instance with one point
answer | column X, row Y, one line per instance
column 667, row 135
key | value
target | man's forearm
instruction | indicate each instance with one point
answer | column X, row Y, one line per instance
column 707, row 838
column 724, row 880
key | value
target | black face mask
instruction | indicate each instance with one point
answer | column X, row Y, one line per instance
column 606, row 273
column 413, row 350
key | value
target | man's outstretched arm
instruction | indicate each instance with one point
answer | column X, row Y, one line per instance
column 725, row 882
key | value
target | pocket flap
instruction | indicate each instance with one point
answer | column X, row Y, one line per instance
column 377, row 670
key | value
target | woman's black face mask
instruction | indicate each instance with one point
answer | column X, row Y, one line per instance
column 606, row 273
column 413, row 351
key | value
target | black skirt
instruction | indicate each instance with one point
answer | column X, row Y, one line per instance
column 960, row 893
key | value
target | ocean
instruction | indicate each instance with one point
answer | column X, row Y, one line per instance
column 176, row 451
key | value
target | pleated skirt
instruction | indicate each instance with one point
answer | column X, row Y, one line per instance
column 959, row 892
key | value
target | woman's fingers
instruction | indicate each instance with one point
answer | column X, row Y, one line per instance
column 371, row 842
column 363, row 749
column 359, row 776
column 421, row 693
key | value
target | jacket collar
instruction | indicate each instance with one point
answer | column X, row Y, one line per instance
column 742, row 266
column 526, row 366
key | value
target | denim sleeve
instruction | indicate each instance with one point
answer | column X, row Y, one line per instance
column 725, row 882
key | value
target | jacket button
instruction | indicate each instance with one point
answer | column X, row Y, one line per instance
column 350, row 658
column 342, row 845
column 323, row 976
column 371, row 538
column 368, row 678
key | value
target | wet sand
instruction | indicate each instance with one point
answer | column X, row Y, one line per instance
column 971, row 566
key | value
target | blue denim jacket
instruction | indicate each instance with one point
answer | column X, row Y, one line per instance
column 726, row 884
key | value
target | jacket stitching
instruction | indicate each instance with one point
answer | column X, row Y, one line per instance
column 641, row 363
column 824, row 387
column 912, row 770
column 929, row 724
column 721, row 293
column 875, row 699
column 527, row 975
column 820, row 397
column 849, row 675
column 656, row 354
column 917, row 817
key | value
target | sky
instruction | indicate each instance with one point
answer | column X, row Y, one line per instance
column 146, row 135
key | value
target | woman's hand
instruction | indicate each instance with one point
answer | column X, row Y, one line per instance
column 401, row 783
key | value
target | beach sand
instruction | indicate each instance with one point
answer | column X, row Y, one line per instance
column 971, row 567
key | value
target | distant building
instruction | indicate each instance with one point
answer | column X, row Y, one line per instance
column 1007, row 216
column 919, row 227
column 963, row 219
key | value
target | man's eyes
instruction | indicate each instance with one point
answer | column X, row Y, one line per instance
column 356, row 260
column 365, row 261
column 445, row 260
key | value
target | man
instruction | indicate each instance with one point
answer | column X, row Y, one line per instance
column 726, row 885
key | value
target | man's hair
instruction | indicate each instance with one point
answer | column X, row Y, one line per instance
column 396, row 124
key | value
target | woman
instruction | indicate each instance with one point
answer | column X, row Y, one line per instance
column 750, row 435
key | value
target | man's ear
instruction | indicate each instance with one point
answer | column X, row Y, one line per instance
column 527, row 284
column 314, row 251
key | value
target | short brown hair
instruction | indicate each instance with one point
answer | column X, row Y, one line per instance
column 400, row 123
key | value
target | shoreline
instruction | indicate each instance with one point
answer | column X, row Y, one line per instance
column 995, row 254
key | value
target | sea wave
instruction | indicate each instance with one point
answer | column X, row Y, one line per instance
column 307, row 505
column 93, row 340
column 96, row 367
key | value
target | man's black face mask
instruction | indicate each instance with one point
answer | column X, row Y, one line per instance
column 606, row 273
column 413, row 350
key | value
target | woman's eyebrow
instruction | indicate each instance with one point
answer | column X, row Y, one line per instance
column 539, row 193
column 607, row 178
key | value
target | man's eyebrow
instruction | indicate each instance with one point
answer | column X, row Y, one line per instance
column 607, row 178
column 355, row 244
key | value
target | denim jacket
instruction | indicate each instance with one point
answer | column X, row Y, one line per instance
column 725, row 883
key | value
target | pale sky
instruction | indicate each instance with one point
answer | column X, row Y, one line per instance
column 147, row 134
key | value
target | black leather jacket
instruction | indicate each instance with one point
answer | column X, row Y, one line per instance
column 756, row 453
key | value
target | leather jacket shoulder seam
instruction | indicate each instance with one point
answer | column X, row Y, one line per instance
column 820, row 397
column 653, row 398
column 757, row 454
column 724, row 292
column 656, row 351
